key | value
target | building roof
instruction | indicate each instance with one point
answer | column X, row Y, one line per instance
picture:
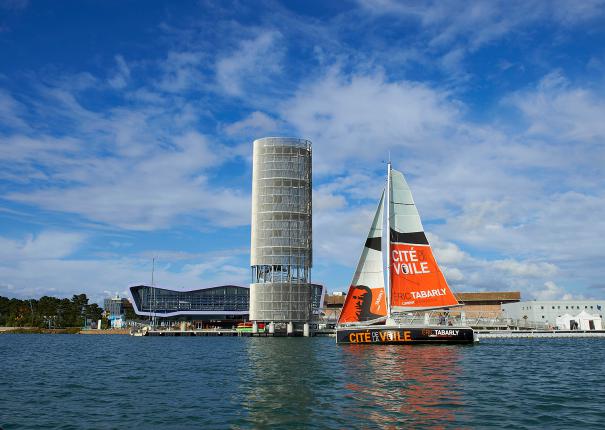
column 492, row 296
column 331, row 300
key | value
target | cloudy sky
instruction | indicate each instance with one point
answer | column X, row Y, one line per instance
column 126, row 130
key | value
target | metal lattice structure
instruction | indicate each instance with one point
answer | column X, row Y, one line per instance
column 281, row 255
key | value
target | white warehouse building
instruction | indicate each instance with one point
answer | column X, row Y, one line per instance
column 544, row 313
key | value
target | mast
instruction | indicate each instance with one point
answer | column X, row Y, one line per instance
column 388, row 238
column 153, row 294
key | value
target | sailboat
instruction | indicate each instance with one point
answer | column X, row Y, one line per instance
column 402, row 311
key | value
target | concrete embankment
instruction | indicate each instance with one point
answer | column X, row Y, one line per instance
column 108, row 331
column 545, row 334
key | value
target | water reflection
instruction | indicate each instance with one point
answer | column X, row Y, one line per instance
column 283, row 390
column 394, row 385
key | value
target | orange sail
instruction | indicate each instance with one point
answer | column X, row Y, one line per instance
column 366, row 299
column 417, row 283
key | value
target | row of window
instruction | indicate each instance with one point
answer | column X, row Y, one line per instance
column 284, row 225
column 543, row 317
column 566, row 307
column 268, row 147
column 285, row 198
column 284, row 171
column 282, row 216
column 289, row 183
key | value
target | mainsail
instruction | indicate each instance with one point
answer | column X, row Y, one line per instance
column 416, row 280
column 366, row 301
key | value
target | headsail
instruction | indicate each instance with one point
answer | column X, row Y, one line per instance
column 366, row 301
column 416, row 280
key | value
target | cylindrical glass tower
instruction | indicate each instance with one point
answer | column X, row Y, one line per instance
column 281, row 256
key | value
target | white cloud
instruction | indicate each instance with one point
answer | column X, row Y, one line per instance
column 453, row 273
column 478, row 23
column 254, row 61
column 44, row 265
column 494, row 191
column 121, row 76
column 139, row 167
column 550, row 291
column 44, row 246
column 11, row 112
column 363, row 117
column 558, row 110
column 181, row 71
column 509, row 202
column 256, row 124
column 339, row 232
column 525, row 269
column 446, row 253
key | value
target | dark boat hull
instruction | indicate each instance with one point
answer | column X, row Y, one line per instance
column 404, row 335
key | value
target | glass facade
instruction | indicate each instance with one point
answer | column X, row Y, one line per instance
column 225, row 300
column 113, row 306
column 228, row 299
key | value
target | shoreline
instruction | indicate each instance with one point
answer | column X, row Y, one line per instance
column 67, row 330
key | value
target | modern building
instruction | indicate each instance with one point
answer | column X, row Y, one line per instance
column 222, row 306
column 281, row 237
column 544, row 313
column 115, row 310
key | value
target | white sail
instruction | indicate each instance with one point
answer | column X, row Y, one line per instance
column 416, row 282
column 366, row 301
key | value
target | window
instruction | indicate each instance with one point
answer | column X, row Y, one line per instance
column 541, row 307
column 542, row 316
column 566, row 307
column 553, row 307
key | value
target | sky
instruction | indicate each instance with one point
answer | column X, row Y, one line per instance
column 126, row 132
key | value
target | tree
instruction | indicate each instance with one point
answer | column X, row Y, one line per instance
column 48, row 311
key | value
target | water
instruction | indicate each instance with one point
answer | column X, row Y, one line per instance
column 122, row 382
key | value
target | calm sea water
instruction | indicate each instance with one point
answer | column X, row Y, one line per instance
column 122, row 382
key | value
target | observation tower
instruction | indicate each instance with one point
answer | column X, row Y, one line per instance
column 281, row 254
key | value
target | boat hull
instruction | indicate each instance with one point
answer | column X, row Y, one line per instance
column 404, row 335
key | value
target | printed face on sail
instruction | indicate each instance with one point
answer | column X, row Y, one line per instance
column 360, row 300
column 363, row 304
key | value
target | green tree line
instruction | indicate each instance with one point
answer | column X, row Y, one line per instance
column 48, row 312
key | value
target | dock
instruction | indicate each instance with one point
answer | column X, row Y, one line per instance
column 229, row 332
column 531, row 334
column 483, row 334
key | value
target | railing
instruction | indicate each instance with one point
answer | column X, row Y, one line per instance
column 475, row 319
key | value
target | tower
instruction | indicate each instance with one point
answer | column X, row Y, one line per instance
column 281, row 255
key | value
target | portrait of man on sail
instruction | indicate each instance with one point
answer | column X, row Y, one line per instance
column 361, row 305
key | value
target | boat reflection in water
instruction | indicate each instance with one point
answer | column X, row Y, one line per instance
column 411, row 386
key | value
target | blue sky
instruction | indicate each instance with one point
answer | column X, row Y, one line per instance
column 126, row 130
